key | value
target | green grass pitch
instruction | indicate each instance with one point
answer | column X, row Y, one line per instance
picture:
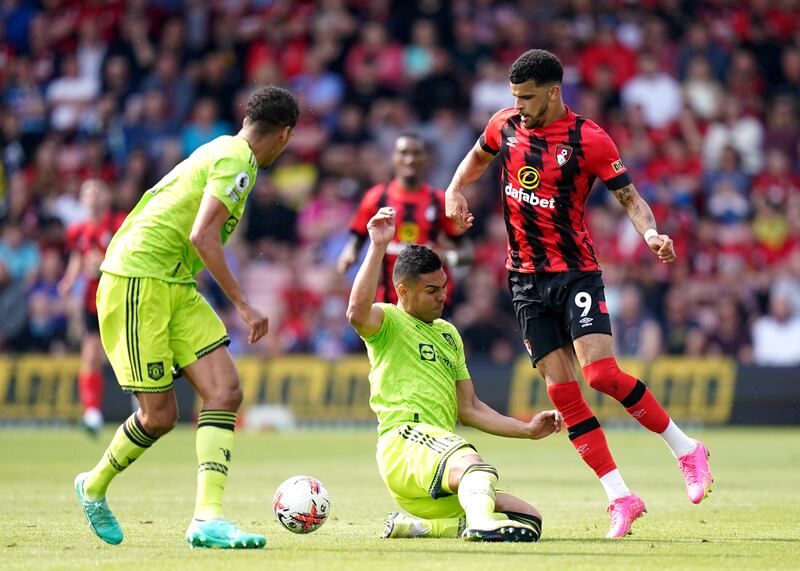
column 750, row 521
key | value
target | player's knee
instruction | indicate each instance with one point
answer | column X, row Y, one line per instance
column 158, row 422
column 229, row 399
column 600, row 373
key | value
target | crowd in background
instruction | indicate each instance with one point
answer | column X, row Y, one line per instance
column 702, row 99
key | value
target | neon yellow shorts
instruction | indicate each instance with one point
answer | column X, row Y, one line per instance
column 149, row 326
column 412, row 460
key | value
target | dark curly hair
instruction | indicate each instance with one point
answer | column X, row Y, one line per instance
column 414, row 261
column 273, row 108
column 541, row 66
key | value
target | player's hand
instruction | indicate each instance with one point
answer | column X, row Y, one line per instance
column 347, row 259
column 381, row 226
column 255, row 320
column 456, row 209
column 662, row 246
column 544, row 424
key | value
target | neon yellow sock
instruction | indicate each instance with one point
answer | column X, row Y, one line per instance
column 129, row 442
column 450, row 527
column 214, row 447
column 476, row 494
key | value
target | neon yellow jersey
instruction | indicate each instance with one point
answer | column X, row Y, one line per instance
column 153, row 242
column 415, row 368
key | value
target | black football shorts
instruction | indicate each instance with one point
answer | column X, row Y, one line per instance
column 555, row 308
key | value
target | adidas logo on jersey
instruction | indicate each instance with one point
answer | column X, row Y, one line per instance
column 529, row 197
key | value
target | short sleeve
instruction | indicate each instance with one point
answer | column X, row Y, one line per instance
column 230, row 180
column 367, row 208
column 462, row 373
column 386, row 325
column 490, row 138
column 602, row 158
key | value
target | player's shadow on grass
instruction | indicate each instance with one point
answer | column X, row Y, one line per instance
column 467, row 549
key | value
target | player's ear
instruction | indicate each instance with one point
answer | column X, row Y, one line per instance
column 402, row 290
column 554, row 91
column 286, row 134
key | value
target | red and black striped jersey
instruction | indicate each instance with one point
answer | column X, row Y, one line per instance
column 546, row 177
column 92, row 238
column 419, row 219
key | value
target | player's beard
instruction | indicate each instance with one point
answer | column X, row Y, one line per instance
column 538, row 119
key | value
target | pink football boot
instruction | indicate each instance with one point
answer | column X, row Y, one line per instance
column 696, row 473
column 624, row 511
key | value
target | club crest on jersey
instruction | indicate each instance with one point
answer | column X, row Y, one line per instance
column 450, row 340
column 528, row 177
column 563, row 154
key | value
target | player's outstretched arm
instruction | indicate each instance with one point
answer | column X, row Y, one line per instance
column 645, row 223
column 71, row 273
column 456, row 253
column 363, row 314
column 477, row 414
column 350, row 252
column 206, row 239
column 470, row 170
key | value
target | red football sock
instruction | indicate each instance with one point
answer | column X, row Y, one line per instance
column 90, row 389
column 584, row 430
column 606, row 376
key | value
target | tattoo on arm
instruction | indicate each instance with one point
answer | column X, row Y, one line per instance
column 638, row 210
column 625, row 195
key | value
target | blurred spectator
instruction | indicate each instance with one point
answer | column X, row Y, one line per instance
column 731, row 335
column 636, row 333
column 743, row 133
column 702, row 91
column 19, row 256
column 698, row 43
column 320, row 91
column 70, row 94
column 271, row 224
column 776, row 336
column 376, row 50
column 204, row 127
column 46, row 325
column 681, row 333
column 440, row 88
column 658, row 94
column 605, row 51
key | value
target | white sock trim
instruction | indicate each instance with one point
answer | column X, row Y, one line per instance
column 614, row 485
column 676, row 439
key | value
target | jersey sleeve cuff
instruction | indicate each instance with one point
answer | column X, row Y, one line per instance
column 618, row 182
column 485, row 146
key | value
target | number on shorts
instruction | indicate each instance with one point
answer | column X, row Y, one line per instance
column 584, row 301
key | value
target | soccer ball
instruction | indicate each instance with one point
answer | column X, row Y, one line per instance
column 301, row 504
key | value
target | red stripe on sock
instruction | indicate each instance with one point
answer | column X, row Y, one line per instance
column 592, row 446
